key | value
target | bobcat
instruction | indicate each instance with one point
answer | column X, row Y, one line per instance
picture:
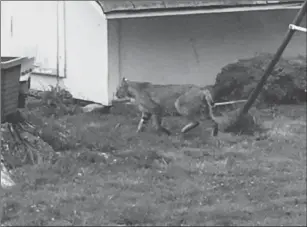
column 149, row 107
column 190, row 102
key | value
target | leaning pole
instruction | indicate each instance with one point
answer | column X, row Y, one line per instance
column 292, row 28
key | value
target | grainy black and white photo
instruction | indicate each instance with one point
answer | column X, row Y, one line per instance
column 153, row 113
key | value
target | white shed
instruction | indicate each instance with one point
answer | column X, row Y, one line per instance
column 92, row 44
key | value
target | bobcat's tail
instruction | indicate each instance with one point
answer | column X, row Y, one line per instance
column 208, row 97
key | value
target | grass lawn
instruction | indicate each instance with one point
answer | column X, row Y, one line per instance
column 113, row 176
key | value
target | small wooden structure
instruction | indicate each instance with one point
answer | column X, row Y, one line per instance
column 10, row 74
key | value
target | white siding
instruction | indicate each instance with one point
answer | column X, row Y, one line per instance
column 35, row 34
column 32, row 31
column 43, row 82
column 87, row 52
column 193, row 49
column 5, row 28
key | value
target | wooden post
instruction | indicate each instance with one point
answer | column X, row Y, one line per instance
column 57, row 47
column 297, row 20
column 65, row 39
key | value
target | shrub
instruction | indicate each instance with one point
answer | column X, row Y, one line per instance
column 57, row 102
column 286, row 84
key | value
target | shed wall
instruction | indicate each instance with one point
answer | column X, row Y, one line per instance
column 193, row 49
column 87, row 52
column 29, row 28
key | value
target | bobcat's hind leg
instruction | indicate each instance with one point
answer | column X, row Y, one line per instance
column 157, row 121
column 215, row 129
column 189, row 126
column 143, row 121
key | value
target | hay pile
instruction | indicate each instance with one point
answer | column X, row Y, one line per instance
column 286, row 85
column 22, row 145
column 31, row 136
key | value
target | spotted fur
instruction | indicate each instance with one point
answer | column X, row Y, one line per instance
column 191, row 104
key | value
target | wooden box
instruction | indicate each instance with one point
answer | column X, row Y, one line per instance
column 10, row 74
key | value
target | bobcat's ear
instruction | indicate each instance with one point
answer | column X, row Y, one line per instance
column 124, row 80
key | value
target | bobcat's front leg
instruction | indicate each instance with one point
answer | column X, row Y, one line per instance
column 215, row 129
column 143, row 121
